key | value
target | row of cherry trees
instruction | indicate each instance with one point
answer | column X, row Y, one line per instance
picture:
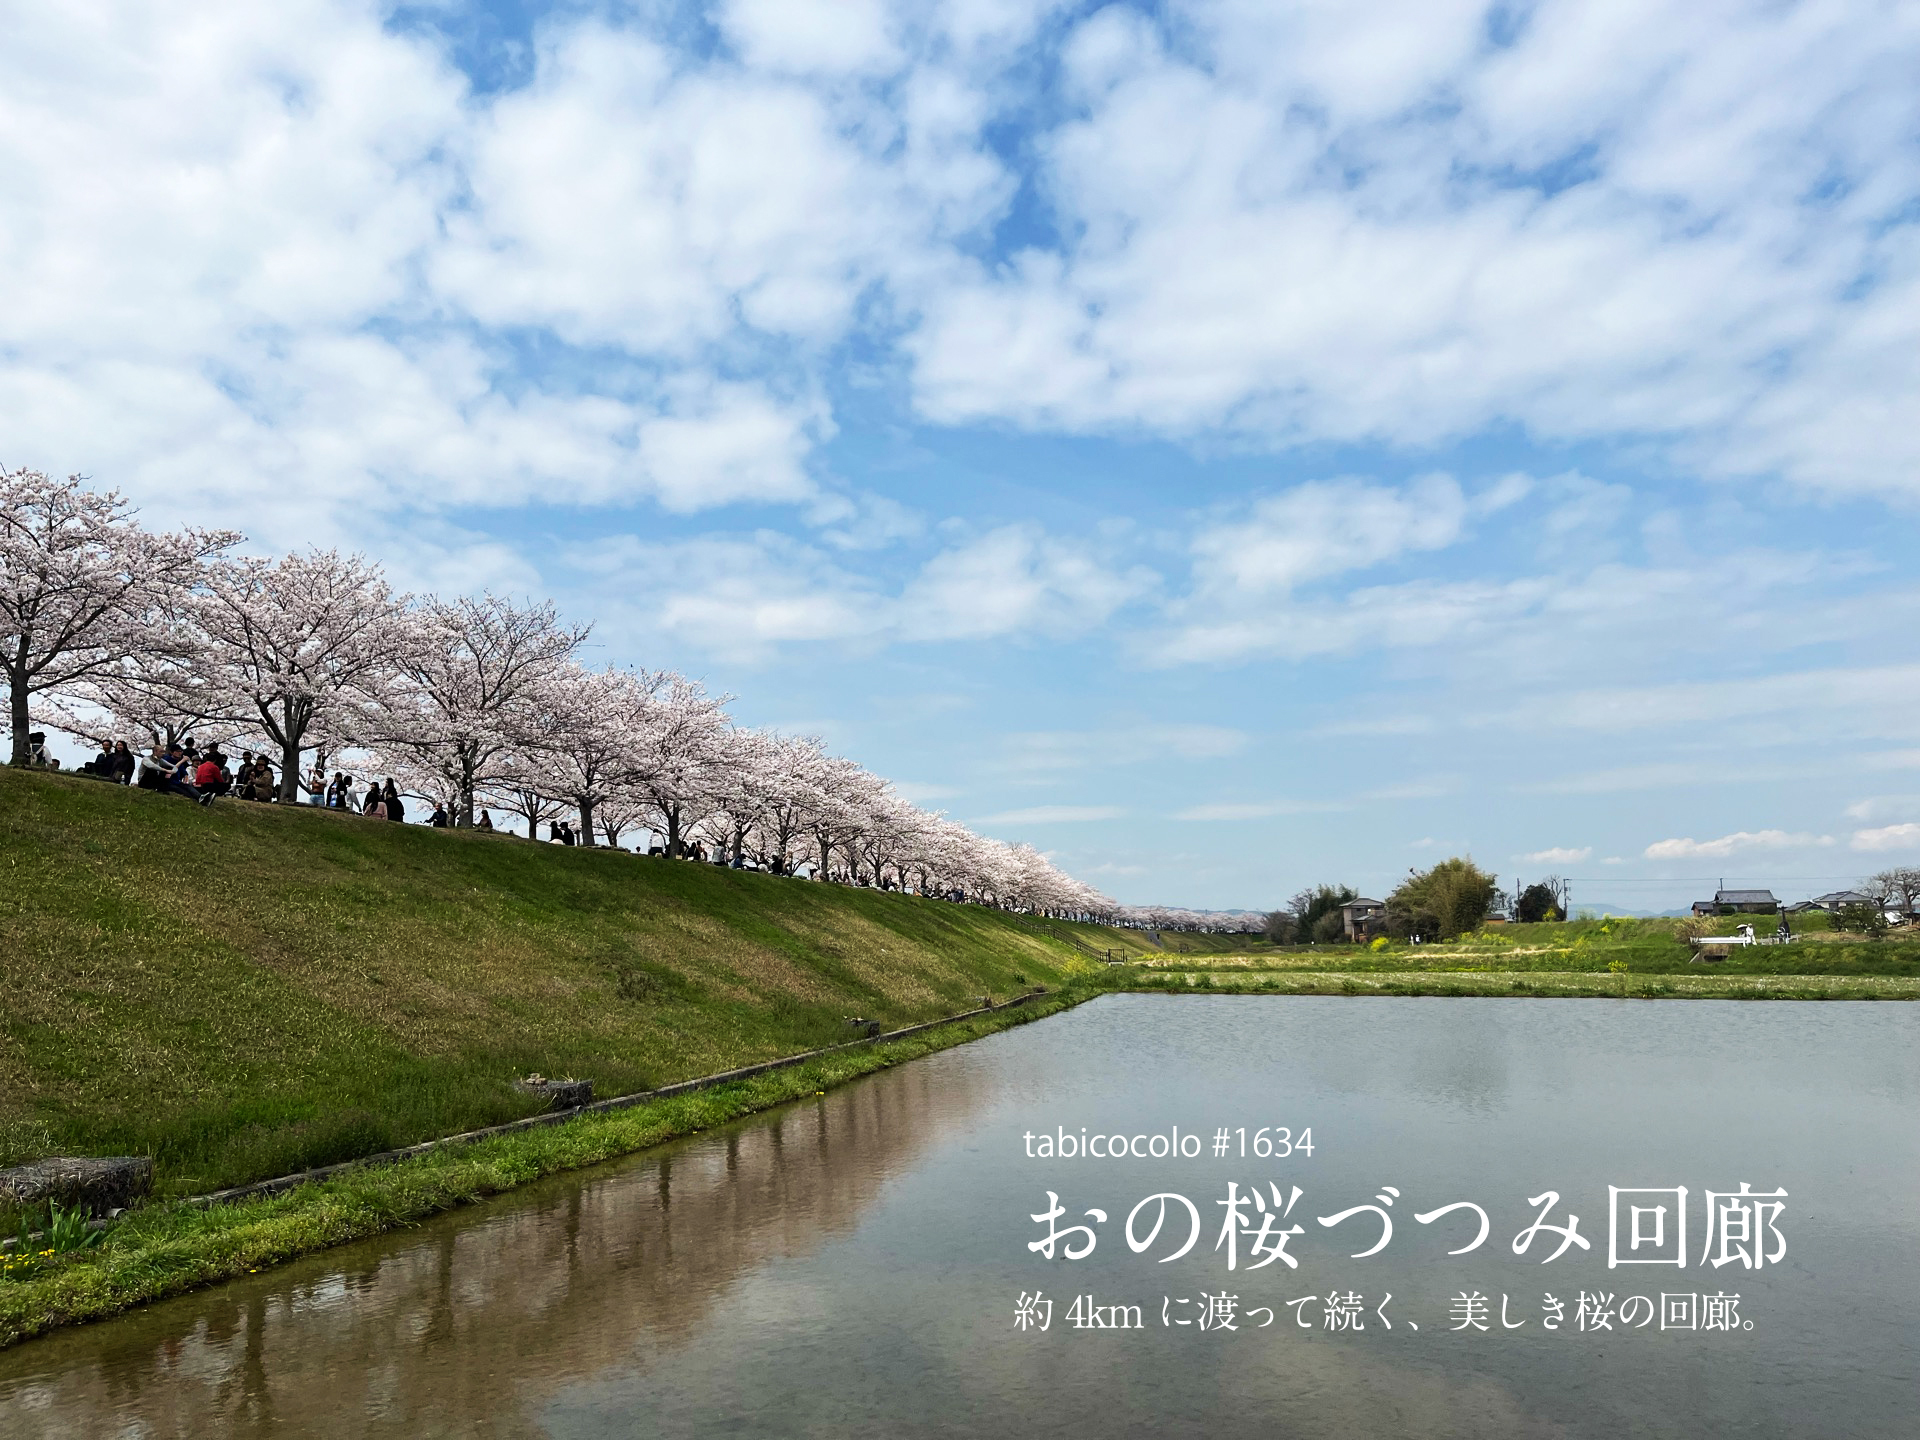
column 109, row 628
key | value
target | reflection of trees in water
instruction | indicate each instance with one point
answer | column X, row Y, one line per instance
column 468, row 1330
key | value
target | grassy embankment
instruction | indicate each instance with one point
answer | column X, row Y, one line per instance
column 164, row 1250
column 249, row 990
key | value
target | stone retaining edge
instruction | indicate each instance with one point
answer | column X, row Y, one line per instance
column 619, row 1102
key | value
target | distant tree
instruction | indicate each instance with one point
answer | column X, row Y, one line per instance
column 1539, row 901
column 1310, row 907
column 1280, row 927
column 1451, row 898
column 1861, row 919
column 1902, row 883
column 1329, row 927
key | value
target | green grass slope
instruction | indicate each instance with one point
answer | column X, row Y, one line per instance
column 249, row 990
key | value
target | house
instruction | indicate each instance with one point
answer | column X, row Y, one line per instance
column 1738, row 902
column 1839, row 898
column 1364, row 919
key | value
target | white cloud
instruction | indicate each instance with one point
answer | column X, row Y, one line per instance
column 1055, row 815
column 1888, row 837
column 1557, row 855
column 286, row 259
column 1680, row 221
column 1041, row 752
column 810, row 35
column 1010, row 580
column 1434, row 788
column 1326, row 528
column 283, row 261
column 1256, row 810
column 1738, row 842
column 1878, row 701
column 740, row 595
column 1881, row 807
column 740, row 445
column 921, row 794
column 1385, row 725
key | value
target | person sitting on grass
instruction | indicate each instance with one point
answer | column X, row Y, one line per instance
column 395, row 810
column 101, row 764
column 175, row 776
column 123, row 763
column 485, row 822
column 261, row 781
column 207, row 778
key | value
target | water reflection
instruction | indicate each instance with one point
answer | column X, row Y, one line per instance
column 848, row 1266
column 464, row 1327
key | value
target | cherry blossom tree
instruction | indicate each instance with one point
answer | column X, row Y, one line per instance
column 617, row 816
column 160, row 692
column 677, row 751
column 81, row 587
column 587, row 728
column 519, row 785
column 303, row 648
column 466, row 672
column 781, row 777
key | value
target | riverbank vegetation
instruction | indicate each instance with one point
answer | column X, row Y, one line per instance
column 1581, row 947
column 162, row 1250
column 251, row 990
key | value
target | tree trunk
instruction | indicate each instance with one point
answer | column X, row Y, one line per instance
column 463, row 802
column 18, row 713
column 586, row 819
column 291, row 730
column 289, row 772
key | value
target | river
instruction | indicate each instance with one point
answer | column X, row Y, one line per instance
column 856, row 1265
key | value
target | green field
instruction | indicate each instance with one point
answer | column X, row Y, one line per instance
column 249, row 990
column 1639, row 947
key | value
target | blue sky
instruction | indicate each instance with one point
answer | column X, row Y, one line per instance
column 1230, row 445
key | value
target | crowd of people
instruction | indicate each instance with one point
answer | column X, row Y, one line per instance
column 205, row 773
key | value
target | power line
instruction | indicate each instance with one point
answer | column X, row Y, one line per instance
column 1690, row 879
